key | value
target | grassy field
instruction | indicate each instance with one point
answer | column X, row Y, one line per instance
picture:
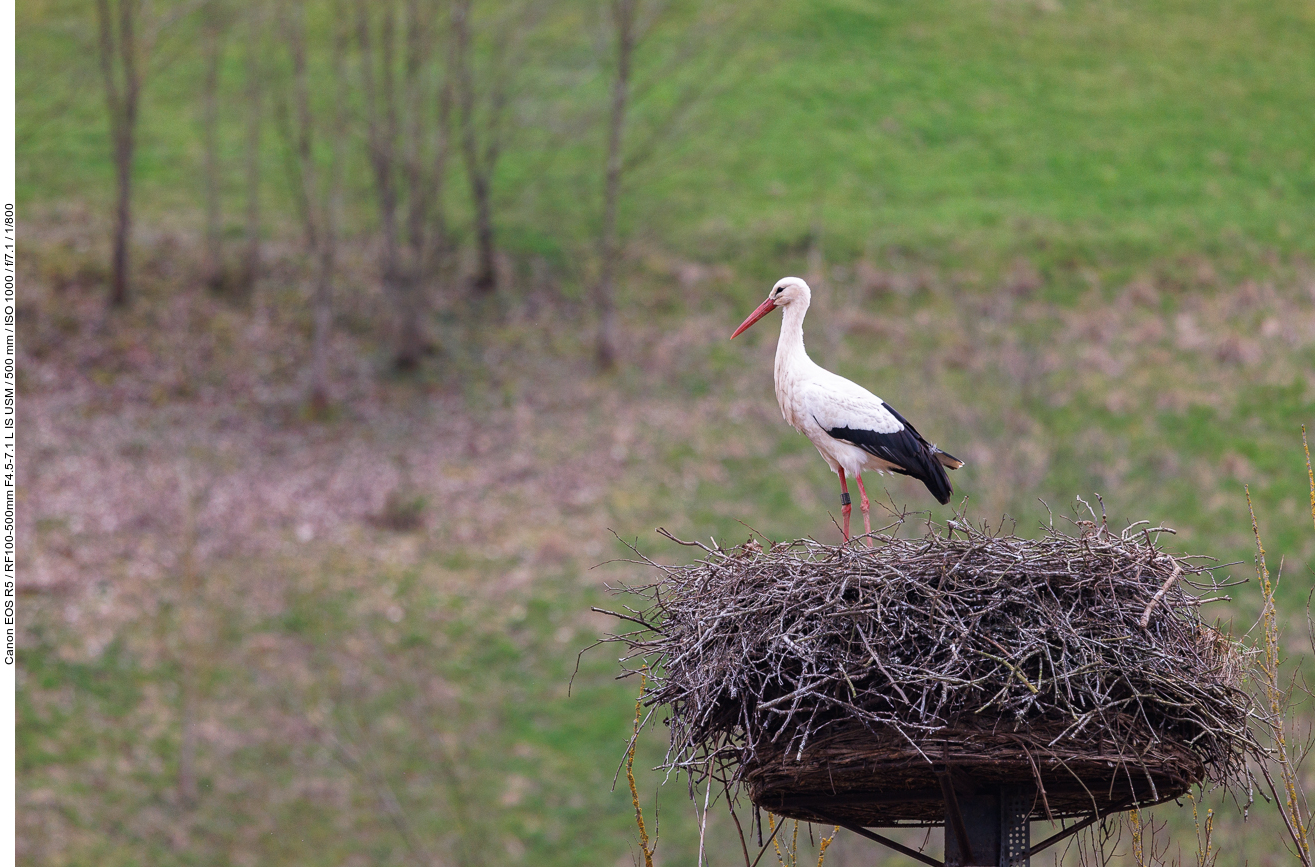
column 1071, row 241
column 1088, row 134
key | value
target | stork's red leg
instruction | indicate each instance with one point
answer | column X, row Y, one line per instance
column 845, row 508
column 863, row 504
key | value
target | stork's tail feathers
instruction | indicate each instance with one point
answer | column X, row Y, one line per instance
column 949, row 461
column 933, row 475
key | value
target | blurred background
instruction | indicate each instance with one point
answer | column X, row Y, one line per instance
column 354, row 334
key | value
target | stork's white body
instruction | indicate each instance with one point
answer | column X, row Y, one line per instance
column 852, row 428
column 814, row 401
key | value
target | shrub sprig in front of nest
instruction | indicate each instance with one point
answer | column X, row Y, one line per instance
column 755, row 649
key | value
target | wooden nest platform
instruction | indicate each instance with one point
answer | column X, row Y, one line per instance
column 862, row 685
column 869, row 779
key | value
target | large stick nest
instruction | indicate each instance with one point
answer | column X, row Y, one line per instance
column 845, row 682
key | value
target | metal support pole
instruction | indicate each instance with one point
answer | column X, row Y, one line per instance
column 987, row 828
column 1016, row 827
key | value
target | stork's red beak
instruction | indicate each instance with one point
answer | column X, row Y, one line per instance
column 763, row 309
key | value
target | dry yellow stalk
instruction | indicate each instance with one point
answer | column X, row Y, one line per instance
column 1291, row 811
column 826, row 841
column 1138, row 848
column 1310, row 474
column 630, row 776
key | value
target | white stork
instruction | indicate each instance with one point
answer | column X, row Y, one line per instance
column 852, row 428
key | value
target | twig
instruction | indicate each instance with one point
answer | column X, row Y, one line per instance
column 1159, row 594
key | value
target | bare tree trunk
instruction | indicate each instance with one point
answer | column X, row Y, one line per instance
column 486, row 273
column 214, row 254
column 326, row 264
column 623, row 20
column 381, row 122
column 440, row 252
column 427, row 229
column 322, row 301
column 402, row 130
column 123, row 152
column 479, row 162
column 118, row 48
column 254, row 94
column 322, row 312
column 424, row 181
column 317, row 198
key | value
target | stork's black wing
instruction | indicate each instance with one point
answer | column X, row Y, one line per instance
column 906, row 452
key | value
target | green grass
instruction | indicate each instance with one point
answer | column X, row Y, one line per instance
column 1110, row 134
column 450, row 706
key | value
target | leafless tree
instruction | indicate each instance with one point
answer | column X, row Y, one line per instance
column 123, row 50
column 482, row 101
column 255, row 77
column 623, row 26
column 317, row 191
column 627, row 33
column 407, row 99
column 215, row 24
column 126, row 36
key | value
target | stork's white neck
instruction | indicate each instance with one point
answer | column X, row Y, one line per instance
column 790, row 353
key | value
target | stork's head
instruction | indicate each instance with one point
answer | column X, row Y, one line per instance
column 787, row 291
